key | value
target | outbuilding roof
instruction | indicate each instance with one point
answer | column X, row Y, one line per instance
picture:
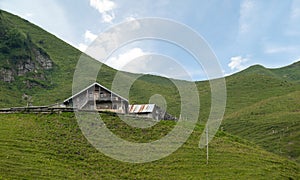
column 141, row 108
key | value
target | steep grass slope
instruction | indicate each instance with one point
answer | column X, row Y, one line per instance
column 51, row 146
column 263, row 106
column 58, row 83
column 255, row 84
column 272, row 123
column 290, row 73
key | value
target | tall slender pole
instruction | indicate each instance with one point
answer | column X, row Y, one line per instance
column 206, row 145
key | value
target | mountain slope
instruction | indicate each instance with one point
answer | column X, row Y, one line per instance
column 263, row 107
column 290, row 73
column 19, row 40
column 272, row 123
column 255, row 84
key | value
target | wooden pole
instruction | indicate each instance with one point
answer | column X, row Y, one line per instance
column 206, row 145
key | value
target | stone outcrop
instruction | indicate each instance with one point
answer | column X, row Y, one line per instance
column 25, row 66
column 6, row 75
column 35, row 65
column 43, row 60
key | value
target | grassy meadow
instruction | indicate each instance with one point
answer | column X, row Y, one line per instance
column 43, row 146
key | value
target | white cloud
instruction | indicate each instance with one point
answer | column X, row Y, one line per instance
column 103, row 5
column 108, row 17
column 118, row 62
column 82, row 47
column 89, row 36
column 130, row 18
column 237, row 63
column 105, row 8
column 138, row 61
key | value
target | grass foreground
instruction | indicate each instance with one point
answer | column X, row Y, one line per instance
column 51, row 146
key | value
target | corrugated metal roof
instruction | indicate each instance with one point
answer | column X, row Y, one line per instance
column 141, row 108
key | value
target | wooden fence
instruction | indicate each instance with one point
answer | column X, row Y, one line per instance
column 37, row 109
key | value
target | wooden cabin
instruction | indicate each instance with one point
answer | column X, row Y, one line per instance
column 98, row 98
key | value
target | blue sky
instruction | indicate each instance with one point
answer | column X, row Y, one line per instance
column 241, row 33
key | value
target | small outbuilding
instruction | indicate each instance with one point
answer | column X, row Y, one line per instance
column 149, row 111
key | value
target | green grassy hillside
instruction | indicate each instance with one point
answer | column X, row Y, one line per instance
column 58, row 82
column 52, row 146
column 63, row 56
column 255, row 84
column 272, row 123
column 263, row 107
column 290, row 73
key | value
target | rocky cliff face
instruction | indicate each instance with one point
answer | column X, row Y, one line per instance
column 41, row 62
column 21, row 60
column 33, row 66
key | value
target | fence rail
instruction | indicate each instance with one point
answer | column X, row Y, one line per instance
column 37, row 109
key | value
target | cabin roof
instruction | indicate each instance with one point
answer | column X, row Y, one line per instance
column 94, row 84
